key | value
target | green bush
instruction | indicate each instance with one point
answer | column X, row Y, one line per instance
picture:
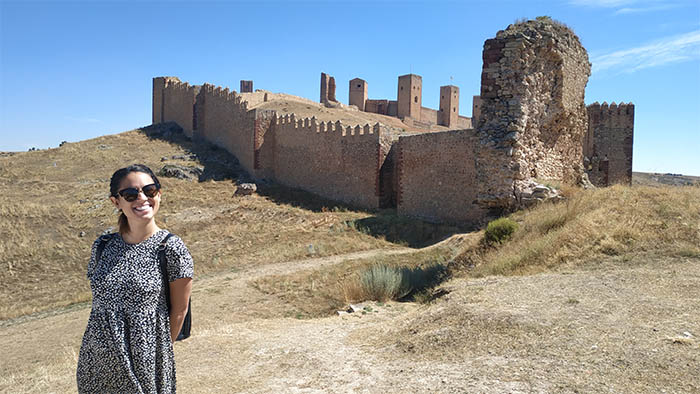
column 381, row 282
column 499, row 231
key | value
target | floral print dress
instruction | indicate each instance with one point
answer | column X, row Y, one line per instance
column 126, row 347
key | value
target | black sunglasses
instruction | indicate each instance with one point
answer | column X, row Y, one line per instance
column 131, row 193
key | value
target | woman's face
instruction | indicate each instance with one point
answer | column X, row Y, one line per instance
column 143, row 209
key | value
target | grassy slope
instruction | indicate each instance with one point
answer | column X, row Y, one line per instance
column 594, row 224
column 51, row 196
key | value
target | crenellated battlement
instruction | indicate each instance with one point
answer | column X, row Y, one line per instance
column 177, row 86
column 290, row 122
column 226, row 94
column 612, row 109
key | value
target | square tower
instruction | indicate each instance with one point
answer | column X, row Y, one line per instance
column 449, row 105
column 358, row 93
column 410, row 96
column 246, row 86
column 476, row 110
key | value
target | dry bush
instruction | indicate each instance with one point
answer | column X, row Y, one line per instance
column 381, row 283
column 322, row 291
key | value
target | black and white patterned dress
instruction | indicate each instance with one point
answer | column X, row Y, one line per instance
column 126, row 346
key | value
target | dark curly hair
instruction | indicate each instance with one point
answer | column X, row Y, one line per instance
column 117, row 180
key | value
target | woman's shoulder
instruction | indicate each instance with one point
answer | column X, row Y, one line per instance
column 103, row 239
column 173, row 240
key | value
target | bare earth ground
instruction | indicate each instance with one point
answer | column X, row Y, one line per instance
column 616, row 326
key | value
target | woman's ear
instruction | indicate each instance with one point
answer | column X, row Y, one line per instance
column 114, row 201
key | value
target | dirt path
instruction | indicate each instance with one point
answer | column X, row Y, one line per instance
column 41, row 352
column 620, row 327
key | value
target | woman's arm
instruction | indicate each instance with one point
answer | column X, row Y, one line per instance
column 180, row 290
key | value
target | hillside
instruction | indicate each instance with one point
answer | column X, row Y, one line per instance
column 665, row 179
column 598, row 293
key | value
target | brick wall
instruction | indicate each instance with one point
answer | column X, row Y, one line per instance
column 607, row 147
column 178, row 104
column 437, row 177
column 377, row 106
column 226, row 122
column 157, row 108
column 428, row 115
column 264, row 144
column 329, row 159
column 463, row 122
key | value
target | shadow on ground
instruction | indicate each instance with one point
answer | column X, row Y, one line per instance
column 214, row 163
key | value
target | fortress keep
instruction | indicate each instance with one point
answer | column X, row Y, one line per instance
column 528, row 124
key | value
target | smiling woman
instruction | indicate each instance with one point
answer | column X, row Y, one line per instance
column 135, row 318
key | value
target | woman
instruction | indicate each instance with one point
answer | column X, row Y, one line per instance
column 128, row 343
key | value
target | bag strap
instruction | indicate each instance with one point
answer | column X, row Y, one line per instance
column 163, row 262
column 104, row 240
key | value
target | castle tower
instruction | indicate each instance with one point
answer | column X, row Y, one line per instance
column 246, row 86
column 358, row 93
column 449, row 105
column 607, row 145
column 476, row 110
column 410, row 96
column 158, row 91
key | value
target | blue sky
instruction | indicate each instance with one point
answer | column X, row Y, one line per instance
column 77, row 70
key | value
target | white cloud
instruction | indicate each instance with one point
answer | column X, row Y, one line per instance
column 651, row 8
column 628, row 6
column 668, row 50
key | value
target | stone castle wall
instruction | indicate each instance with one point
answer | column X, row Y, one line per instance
column 224, row 120
column 607, row 147
column 332, row 160
column 437, row 177
column 178, row 104
column 173, row 101
column 533, row 116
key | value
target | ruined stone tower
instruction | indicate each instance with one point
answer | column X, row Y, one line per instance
column 358, row 93
column 607, row 147
column 327, row 89
column 449, row 105
column 533, row 117
column 409, row 96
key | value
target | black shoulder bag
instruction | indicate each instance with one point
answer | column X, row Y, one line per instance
column 162, row 260
column 163, row 263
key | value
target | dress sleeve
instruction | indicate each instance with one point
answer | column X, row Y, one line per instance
column 93, row 255
column 180, row 263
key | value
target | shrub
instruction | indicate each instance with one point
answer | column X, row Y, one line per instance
column 381, row 282
column 499, row 231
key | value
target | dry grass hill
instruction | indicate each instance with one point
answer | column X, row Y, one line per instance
column 600, row 293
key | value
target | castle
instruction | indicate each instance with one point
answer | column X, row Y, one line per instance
column 529, row 124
